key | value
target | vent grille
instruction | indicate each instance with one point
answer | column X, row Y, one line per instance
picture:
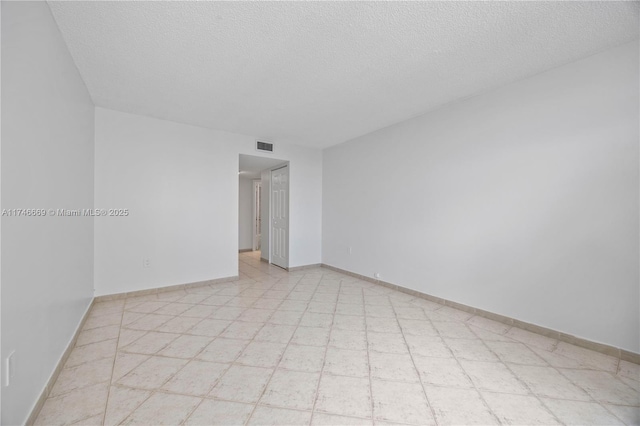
column 264, row 146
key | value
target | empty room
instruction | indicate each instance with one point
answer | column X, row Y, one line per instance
column 320, row 213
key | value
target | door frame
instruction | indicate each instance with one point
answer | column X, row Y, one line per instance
column 256, row 218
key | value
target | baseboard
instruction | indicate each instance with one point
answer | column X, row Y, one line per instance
column 300, row 268
column 622, row 354
column 244, row 250
column 117, row 296
column 56, row 372
column 262, row 259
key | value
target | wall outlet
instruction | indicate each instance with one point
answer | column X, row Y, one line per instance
column 9, row 368
column 146, row 262
column 376, row 275
column 350, row 250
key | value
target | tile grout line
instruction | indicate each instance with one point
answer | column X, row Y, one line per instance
column 113, row 366
column 145, row 332
column 195, row 358
column 92, row 384
column 350, row 377
column 398, row 381
column 62, row 367
column 152, row 392
column 155, row 391
column 525, row 384
column 557, row 370
column 593, row 400
column 564, row 337
column 487, row 330
column 467, row 374
column 324, row 358
column 232, row 363
column 202, row 398
column 366, row 337
column 298, row 325
column 415, row 367
column 255, row 406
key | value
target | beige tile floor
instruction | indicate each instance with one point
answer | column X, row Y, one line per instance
column 318, row 347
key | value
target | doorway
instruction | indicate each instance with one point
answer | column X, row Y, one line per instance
column 263, row 217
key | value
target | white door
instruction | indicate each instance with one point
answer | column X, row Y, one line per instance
column 280, row 217
column 257, row 225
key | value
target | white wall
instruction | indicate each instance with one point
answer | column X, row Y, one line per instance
column 522, row 201
column 178, row 182
column 245, row 214
column 47, row 162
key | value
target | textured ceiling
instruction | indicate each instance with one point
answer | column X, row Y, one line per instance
column 320, row 73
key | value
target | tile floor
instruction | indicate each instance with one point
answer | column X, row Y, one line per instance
column 318, row 347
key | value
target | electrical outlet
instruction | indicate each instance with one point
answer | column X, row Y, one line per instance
column 146, row 262
column 377, row 275
column 9, row 368
column 350, row 250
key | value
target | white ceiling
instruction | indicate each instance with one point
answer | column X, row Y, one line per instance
column 321, row 73
column 250, row 166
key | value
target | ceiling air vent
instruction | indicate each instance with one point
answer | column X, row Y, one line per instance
column 264, row 146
